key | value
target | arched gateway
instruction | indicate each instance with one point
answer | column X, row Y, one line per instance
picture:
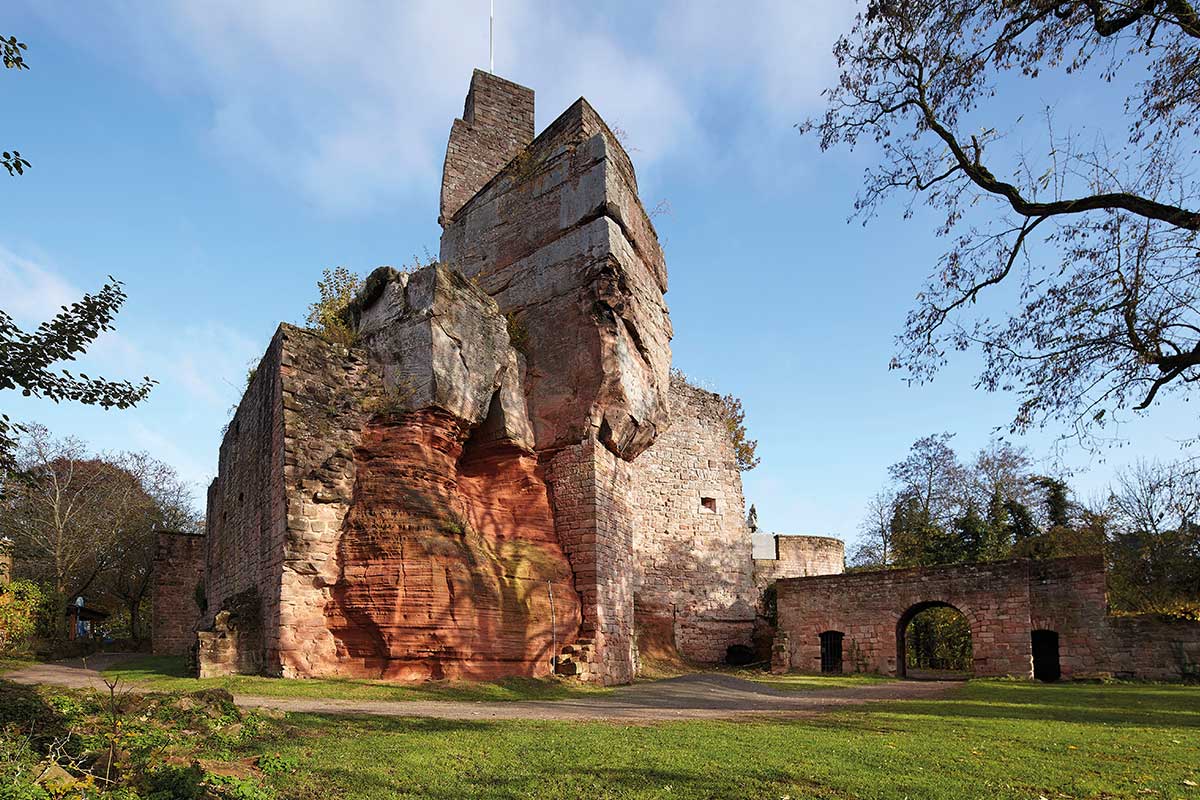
column 902, row 660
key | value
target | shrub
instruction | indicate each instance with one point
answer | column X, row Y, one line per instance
column 390, row 402
column 735, row 422
column 328, row 316
column 21, row 605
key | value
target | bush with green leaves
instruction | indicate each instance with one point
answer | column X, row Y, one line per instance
column 328, row 316
column 21, row 605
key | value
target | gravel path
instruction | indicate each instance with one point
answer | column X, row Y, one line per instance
column 699, row 696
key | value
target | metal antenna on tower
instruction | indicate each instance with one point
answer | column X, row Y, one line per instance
column 492, row 39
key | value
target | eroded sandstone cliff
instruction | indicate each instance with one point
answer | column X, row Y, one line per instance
column 419, row 540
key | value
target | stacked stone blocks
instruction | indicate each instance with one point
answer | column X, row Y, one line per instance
column 179, row 574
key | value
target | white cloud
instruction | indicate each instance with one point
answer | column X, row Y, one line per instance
column 209, row 361
column 200, row 368
column 350, row 103
column 779, row 52
column 32, row 292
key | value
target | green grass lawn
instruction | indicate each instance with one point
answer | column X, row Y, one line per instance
column 168, row 674
column 998, row 740
column 988, row 739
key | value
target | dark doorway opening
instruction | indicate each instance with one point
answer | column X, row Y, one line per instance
column 1046, row 666
column 933, row 642
column 831, row 651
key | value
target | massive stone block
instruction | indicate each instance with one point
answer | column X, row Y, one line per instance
column 472, row 486
column 441, row 343
column 560, row 240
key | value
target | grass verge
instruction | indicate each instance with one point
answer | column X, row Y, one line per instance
column 169, row 674
column 989, row 739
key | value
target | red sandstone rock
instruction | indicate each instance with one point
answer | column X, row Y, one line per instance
column 448, row 558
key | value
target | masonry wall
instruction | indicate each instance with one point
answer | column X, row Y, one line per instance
column 497, row 124
column 246, row 515
column 1150, row 648
column 1004, row 602
column 589, row 491
column 178, row 572
column 692, row 567
column 1069, row 596
column 868, row 608
column 323, row 387
column 799, row 557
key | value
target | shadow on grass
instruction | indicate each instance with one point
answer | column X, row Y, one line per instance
column 1159, row 706
column 23, row 711
column 401, row 757
column 146, row 668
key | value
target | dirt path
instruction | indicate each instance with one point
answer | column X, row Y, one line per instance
column 700, row 696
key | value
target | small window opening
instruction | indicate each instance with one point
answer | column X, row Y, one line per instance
column 709, row 504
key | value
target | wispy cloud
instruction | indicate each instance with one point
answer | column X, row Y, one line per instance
column 350, row 104
column 200, row 367
column 32, row 292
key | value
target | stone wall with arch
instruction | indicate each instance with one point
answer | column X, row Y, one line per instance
column 870, row 607
column 1004, row 603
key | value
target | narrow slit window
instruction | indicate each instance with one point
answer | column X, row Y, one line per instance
column 708, row 504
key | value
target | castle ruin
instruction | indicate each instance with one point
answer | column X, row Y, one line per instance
column 502, row 475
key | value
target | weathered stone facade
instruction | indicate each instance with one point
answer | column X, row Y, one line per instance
column 799, row 557
column 179, row 578
column 692, row 580
column 418, row 540
column 1005, row 603
column 560, row 240
column 489, row 477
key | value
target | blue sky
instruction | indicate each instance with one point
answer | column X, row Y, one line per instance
column 216, row 156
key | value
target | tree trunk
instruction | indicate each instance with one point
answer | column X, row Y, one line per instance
column 135, row 620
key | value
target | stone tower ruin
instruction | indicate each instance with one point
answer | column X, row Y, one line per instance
column 501, row 476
